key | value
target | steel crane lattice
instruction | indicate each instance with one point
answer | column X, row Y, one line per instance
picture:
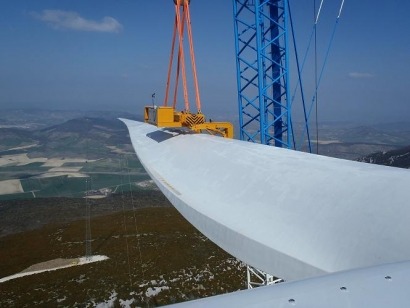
column 262, row 71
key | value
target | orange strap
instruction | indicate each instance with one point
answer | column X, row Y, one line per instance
column 191, row 47
column 181, row 54
column 179, row 28
column 170, row 63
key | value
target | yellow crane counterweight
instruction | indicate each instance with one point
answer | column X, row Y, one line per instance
column 164, row 116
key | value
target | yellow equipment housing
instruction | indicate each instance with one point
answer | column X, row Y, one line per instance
column 164, row 116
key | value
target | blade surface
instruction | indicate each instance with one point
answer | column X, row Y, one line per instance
column 379, row 286
column 288, row 213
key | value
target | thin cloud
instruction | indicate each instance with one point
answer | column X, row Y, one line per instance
column 73, row 21
column 358, row 75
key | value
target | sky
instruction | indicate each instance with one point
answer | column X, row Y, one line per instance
column 112, row 55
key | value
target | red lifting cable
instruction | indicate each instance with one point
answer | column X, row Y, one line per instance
column 179, row 27
column 170, row 63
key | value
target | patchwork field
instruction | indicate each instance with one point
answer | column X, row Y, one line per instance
column 19, row 160
column 23, row 177
column 82, row 156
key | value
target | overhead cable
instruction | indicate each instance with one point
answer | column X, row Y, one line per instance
column 318, row 12
column 325, row 60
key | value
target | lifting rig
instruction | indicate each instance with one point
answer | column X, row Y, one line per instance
column 167, row 116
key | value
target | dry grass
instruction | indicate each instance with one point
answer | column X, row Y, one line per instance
column 173, row 256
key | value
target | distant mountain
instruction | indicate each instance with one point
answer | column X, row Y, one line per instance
column 353, row 142
column 15, row 137
column 352, row 151
column 111, row 131
column 53, row 133
column 85, row 137
column 393, row 135
column 395, row 158
column 41, row 118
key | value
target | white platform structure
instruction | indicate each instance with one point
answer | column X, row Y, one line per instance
column 332, row 215
column 381, row 286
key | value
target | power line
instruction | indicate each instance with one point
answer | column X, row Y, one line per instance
column 135, row 220
column 125, row 227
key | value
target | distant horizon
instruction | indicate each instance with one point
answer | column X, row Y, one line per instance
column 229, row 117
column 103, row 55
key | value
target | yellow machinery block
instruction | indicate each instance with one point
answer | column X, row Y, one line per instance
column 167, row 117
column 160, row 116
column 223, row 129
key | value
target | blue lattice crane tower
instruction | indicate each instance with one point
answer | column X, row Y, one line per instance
column 262, row 71
column 262, row 80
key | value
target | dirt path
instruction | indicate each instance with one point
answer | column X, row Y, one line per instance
column 51, row 264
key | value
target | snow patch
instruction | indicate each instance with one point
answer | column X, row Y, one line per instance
column 146, row 184
column 109, row 302
column 126, row 303
column 59, row 300
column 155, row 291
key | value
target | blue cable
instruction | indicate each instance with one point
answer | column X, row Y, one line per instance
column 323, row 67
column 300, row 82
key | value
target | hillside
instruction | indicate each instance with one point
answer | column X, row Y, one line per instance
column 88, row 138
column 74, row 154
column 395, row 158
column 155, row 256
column 352, row 142
column 11, row 138
column 34, row 119
column 74, row 138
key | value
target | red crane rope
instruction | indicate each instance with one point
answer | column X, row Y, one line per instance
column 179, row 26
